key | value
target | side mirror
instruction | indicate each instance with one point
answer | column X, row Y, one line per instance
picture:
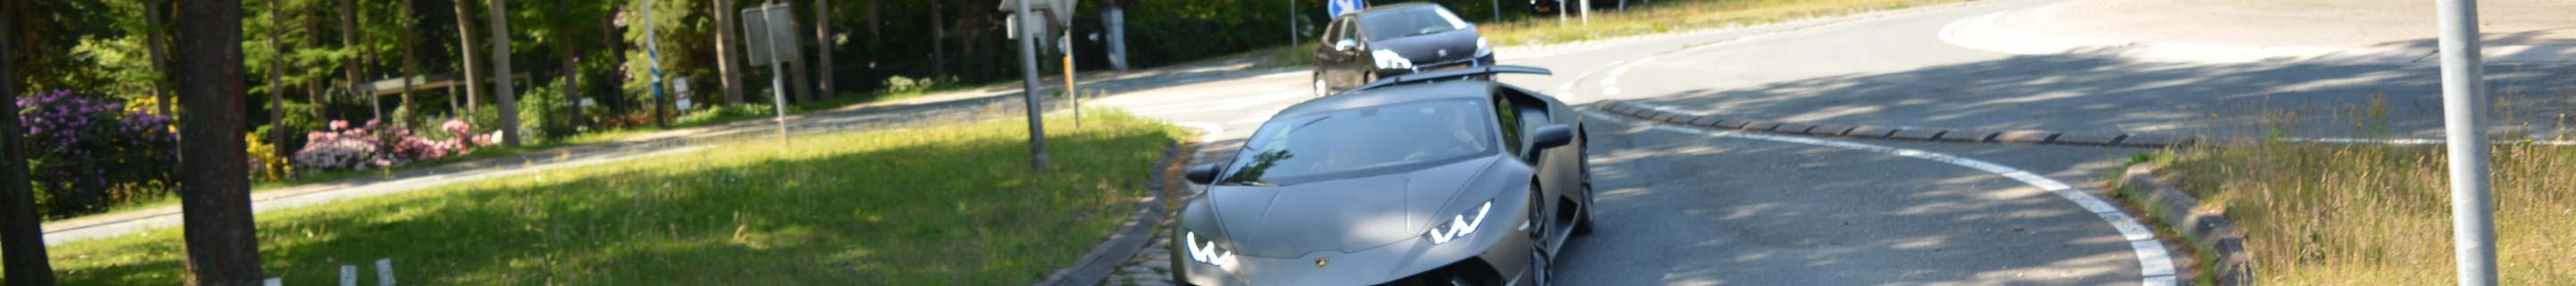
column 1552, row 136
column 1345, row 45
column 1202, row 174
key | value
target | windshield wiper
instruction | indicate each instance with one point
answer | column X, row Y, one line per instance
column 1255, row 183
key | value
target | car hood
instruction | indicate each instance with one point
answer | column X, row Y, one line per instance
column 1425, row 49
column 1350, row 214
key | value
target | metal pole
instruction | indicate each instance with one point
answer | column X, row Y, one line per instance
column 1292, row 25
column 1069, row 91
column 1029, row 85
column 777, row 77
column 2463, row 103
column 1586, row 7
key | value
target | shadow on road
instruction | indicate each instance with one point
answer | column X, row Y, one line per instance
column 1686, row 209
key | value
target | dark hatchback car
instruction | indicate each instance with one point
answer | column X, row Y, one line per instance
column 1392, row 40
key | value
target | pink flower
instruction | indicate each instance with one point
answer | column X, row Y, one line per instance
column 338, row 124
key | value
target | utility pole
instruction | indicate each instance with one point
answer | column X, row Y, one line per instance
column 2463, row 119
column 653, row 57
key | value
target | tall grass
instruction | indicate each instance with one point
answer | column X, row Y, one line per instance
column 2380, row 214
column 1668, row 16
column 940, row 205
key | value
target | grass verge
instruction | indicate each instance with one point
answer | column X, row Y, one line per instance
column 943, row 205
column 2380, row 214
column 1668, row 16
column 743, row 112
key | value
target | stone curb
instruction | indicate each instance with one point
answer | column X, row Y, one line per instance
column 2206, row 232
column 2021, row 137
column 1105, row 258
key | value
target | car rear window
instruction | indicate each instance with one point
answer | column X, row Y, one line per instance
column 1362, row 141
column 1409, row 21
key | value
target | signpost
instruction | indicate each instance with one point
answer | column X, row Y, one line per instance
column 769, row 33
column 2463, row 118
column 1029, row 29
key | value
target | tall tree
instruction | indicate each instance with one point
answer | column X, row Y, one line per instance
column 473, row 69
column 214, row 189
column 823, row 46
column 367, row 66
column 277, row 130
column 728, row 60
column 501, row 74
column 571, row 61
column 22, row 240
column 411, row 66
column 155, row 52
column 938, row 39
column 349, row 40
column 803, row 91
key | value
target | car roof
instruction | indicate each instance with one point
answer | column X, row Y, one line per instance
column 1458, row 89
column 1396, row 6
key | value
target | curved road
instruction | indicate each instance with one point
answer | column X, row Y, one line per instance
column 1682, row 206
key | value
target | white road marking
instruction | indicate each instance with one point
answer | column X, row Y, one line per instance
column 1565, row 87
column 1622, row 70
column 1610, row 80
column 2153, row 262
column 1610, row 90
column 1645, row 60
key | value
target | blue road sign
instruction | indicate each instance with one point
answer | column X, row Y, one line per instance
column 1338, row 7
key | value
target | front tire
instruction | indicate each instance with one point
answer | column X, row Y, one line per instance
column 1322, row 88
column 1541, row 262
column 1583, row 161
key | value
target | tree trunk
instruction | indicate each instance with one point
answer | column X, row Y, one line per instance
column 22, row 238
column 823, row 48
column 571, row 63
column 366, row 65
column 411, row 68
column 214, row 189
column 349, row 40
column 501, row 74
column 728, row 59
column 796, row 75
column 473, row 69
column 156, row 52
column 938, row 42
column 277, row 131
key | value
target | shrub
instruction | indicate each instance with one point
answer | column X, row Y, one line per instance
column 85, row 155
column 362, row 147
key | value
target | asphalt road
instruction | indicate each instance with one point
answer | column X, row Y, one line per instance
column 1690, row 207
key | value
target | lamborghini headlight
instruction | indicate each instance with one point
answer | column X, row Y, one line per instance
column 1208, row 253
column 1459, row 226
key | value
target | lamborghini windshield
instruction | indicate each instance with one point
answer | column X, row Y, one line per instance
column 1409, row 21
column 1364, row 141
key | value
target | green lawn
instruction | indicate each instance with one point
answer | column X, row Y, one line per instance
column 942, row 205
column 2380, row 215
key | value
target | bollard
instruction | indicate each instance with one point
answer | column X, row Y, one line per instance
column 348, row 275
column 385, row 272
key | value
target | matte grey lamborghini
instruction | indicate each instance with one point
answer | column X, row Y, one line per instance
column 1432, row 178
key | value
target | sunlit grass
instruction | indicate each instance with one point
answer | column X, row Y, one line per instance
column 1669, row 16
column 941, row 205
column 2380, row 214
